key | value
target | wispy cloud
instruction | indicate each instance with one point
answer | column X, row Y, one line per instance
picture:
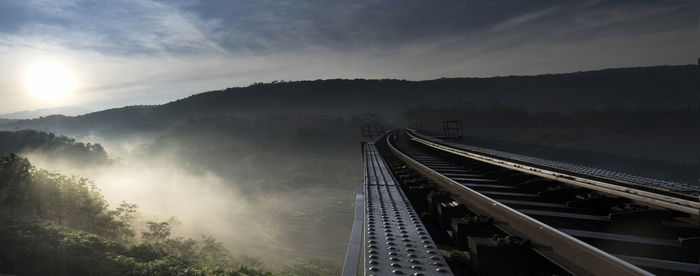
column 520, row 20
column 126, row 52
column 114, row 27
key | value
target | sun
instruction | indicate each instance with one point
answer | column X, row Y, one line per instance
column 49, row 81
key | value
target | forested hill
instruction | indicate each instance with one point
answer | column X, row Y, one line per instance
column 666, row 86
column 662, row 86
column 52, row 146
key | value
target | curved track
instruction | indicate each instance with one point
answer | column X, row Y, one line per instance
column 518, row 210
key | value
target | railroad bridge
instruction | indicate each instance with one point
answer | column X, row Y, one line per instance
column 429, row 206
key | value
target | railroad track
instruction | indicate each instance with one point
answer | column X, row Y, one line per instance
column 499, row 215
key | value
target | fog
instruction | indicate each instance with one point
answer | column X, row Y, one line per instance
column 279, row 188
column 284, row 226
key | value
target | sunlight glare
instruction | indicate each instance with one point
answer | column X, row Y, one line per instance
column 50, row 81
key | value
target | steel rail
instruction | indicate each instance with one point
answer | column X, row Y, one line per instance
column 569, row 253
column 673, row 203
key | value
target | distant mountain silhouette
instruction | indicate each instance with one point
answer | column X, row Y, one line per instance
column 661, row 86
column 31, row 114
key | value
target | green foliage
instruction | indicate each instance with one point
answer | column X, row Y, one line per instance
column 14, row 181
column 52, row 146
column 126, row 213
column 51, row 224
column 31, row 246
column 67, row 201
column 213, row 252
column 157, row 232
column 313, row 268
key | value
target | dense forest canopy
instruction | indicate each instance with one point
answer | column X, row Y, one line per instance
column 52, row 146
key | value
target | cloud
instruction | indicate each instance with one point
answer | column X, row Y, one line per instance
column 270, row 27
column 110, row 27
column 130, row 52
column 524, row 19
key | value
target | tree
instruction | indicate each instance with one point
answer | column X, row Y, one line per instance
column 158, row 232
column 126, row 213
column 15, row 173
column 213, row 251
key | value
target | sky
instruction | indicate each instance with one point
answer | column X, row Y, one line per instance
column 150, row 52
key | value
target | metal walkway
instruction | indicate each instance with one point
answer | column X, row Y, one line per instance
column 388, row 237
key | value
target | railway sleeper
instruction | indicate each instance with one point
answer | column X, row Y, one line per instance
column 415, row 180
column 663, row 267
column 416, row 195
column 473, row 180
column 690, row 241
column 546, row 206
column 602, row 202
column 463, row 174
column 448, row 210
column 498, row 195
column 434, row 198
column 561, row 193
column 641, row 213
column 488, row 187
column 478, row 168
column 517, row 178
column 507, row 255
column 470, row 225
column 403, row 176
column 536, row 185
column 496, row 172
column 637, row 245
